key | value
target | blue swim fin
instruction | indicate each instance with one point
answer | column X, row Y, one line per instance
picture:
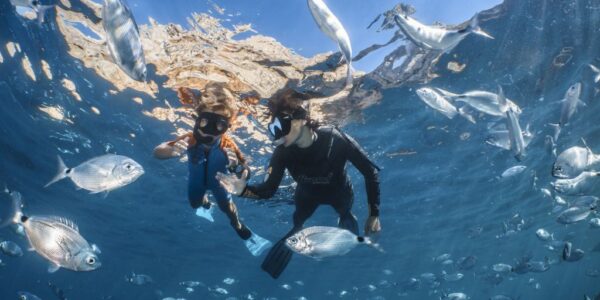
column 256, row 244
column 206, row 213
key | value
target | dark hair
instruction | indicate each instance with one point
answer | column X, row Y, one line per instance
column 289, row 101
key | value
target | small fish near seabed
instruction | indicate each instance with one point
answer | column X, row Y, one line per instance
column 331, row 26
column 573, row 161
column 436, row 37
column 36, row 6
column 569, row 107
column 56, row 239
column 100, row 174
column 123, row 39
column 321, row 241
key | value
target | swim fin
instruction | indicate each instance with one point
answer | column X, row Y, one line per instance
column 257, row 244
column 277, row 259
column 206, row 213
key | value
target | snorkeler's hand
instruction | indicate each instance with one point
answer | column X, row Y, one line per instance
column 372, row 225
column 232, row 183
column 232, row 159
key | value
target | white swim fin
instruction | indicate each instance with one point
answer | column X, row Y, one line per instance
column 257, row 245
column 206, row 213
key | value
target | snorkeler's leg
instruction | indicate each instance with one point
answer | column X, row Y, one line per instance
column 280, row 255
column 228, row 207
column 343, row 206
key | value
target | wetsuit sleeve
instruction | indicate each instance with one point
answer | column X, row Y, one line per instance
column 358, row 157
column 275, row 172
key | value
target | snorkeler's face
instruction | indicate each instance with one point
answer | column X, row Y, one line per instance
column 295, row 131
column 209, row 126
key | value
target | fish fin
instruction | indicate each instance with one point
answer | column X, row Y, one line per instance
column 96, row 249
column 368, row 241
column 579, row 102
column 474, row 28
column 594, row 68
column 466, row 115
column 502, row 100
column 30, row 249
column 41, row 13
column 277, row 259
column 597, row 78
column 349, row 77
column 53, row 268
column 66, row 222
column 63, row 172
column 105, row 194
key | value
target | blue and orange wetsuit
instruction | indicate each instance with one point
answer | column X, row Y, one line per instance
column 204, row 161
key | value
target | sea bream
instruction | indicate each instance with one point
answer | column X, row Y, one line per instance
column 36, row 6
column 482, row 101
column 123, row 38
column 515, row 134
column 321, row 241
column 329, row 24
column 56, row 239
column 501, row 138
column 100, row 174
column 569, row 107
column 436, row 37
column 579, row 185
column 573, row 161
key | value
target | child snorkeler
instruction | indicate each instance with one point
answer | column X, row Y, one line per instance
column 210, row 151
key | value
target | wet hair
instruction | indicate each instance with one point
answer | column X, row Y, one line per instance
column 215, row 97
column 289, row 101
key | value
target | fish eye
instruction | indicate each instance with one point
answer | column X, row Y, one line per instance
column 128, row 167
column 90, row 260
column 22, row 297
column 293, row 241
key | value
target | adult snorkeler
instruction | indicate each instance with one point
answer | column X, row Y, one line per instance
column 210, row 151
column 315, row 156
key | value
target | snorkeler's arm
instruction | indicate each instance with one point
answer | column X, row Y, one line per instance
column 358, row 157
column 181, row 137
column 275, row 172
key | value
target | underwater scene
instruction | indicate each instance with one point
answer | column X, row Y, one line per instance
column 318, row 149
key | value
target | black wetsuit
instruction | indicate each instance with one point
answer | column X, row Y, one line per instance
column 320, row 171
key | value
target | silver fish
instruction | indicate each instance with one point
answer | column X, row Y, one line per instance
column 454, row 296
column 574, row 214
column 512, row 171
column 27, row 296
column 329, row 24
column 576, row 186
column 569, row 107
column 501, row 138
column 543, row 234
column 539, row 266
column 502, row 268
column 321, row 241
column 434, row 37
column 11, row 248
column 517, row 143
column 453, row 276
column 596, row 73
column 595, row 222
column 56, row 239
column 36, row 6
column 123, row 38
column 436, row 101
column 586, row 201
column 482, row 101
column 571, row 255
column 573, row 161
column 101, row 174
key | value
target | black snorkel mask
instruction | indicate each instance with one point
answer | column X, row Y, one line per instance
column 208, row 126
column 281, row 124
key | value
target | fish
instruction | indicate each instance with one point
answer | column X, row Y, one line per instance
column 139, row 279
column 466, row 263
column 100, row 174
column 437, row 102
column 485, row 102
column 166, row 150
column 123, row 39
column 569, row 107
column 435, row 37
column 576, row 186
column 11, row 249
column 452, row 277
column 27, row 296
column 595, row 222
column 596, row 73
column 574, row 214
column 573, row 161
column 517, row 143
column 586, row 201
column 539, row 266
column 544, row 235
column 502, row 268
column 501, row 138
column 36, row 6
column 56, row 239
column 512, row 171
column 320, row 241
column 454, row 296
column 571, row 255
column 331, row 26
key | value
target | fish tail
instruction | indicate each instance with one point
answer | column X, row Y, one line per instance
column 369, row 242
column 63, row 172
column 474, row 28
column 17, row 216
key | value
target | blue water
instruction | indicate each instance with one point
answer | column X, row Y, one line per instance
column 444, row 198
